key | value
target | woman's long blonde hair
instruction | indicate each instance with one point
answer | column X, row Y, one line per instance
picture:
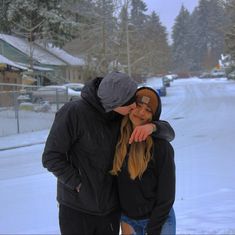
column 139, row 155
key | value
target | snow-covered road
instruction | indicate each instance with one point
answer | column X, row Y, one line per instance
column 202, row 113
column 27, row 202
column 203, row 117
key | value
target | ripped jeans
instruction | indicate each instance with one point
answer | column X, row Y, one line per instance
column 169, row 228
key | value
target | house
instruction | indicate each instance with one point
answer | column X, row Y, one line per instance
column 10, row 71
column 46, row 61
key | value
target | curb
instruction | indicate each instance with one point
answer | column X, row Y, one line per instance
column 21, row 146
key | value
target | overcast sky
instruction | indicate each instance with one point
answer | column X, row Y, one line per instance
column 169, row 9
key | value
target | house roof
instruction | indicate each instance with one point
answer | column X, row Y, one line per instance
column 62, row 54
column 45, row 55
column 36, row 67
column 4, row 60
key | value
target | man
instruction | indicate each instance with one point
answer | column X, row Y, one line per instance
column 79, row 151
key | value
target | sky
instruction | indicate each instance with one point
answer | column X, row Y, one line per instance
column 169, row 9
column 204, row 147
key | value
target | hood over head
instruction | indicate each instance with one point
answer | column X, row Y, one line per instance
column 116, row 89
column 89, row 94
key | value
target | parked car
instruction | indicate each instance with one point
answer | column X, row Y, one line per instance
column 231, row 75
column 171, row 77
column 217, row 73
column 25, row 95
column 157, row 84
column 55, row 94
column 23, row 98
column 166, row 81
column 74, row 86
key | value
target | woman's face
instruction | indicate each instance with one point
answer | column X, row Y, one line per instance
column 142, row 114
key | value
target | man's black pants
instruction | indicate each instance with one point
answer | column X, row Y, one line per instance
column 79, row 223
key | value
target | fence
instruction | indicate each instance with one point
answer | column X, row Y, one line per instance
column 25, row 108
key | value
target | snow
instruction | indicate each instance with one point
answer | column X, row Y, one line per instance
column 24, row 139
column 202, row 113
column 28, row 121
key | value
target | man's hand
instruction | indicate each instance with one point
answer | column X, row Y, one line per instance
column 141, row 133
column 78, row 187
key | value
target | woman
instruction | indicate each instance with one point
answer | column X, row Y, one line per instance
column 145, row 173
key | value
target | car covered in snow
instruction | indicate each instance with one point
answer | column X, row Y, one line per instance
column 217, row 73
column 74, row 86
column 231, row 75
column 55, row 94
column 157, row 84
column 166, row 81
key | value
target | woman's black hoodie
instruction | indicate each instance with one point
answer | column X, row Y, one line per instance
column 151, row 196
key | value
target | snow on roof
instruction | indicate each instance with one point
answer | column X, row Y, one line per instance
column 35, row 67
column 4, row 60
column 44, row 55
column 72, row 60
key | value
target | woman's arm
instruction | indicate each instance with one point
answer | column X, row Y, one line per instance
column 165, row 170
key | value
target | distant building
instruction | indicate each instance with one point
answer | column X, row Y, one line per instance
column 10, row 72
column 45, row 61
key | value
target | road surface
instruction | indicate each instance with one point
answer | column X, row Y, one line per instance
column 202, row 113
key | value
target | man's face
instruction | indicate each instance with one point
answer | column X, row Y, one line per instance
column 124, row 110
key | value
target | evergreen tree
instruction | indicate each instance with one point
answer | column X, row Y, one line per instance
column 4, row 26
column 180, row 36
column 209, row 34
column 137, row 35
column 149, row 51
column 123, row 49
column 194, row 58
column 96, row 39
column 230, row 33
column 158, row 55
column 138, row 13
column 40, row 19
